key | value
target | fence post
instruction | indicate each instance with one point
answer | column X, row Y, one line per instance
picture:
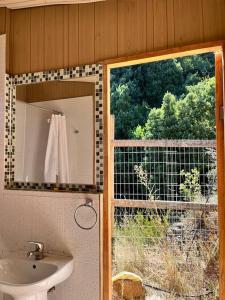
column 112, row 126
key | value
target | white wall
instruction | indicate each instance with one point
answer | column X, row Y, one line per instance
column 20, row 140
column 36, row 136
column 31, row 140
column 48, row 217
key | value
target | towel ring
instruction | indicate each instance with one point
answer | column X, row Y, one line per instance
column 88, row 204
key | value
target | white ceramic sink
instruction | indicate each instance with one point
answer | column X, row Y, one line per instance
column 25, row 279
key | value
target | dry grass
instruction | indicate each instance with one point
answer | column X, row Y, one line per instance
column 183, row 261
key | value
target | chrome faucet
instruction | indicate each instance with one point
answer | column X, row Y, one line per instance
column 38, row 253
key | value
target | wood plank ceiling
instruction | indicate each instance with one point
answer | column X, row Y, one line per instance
column 68, row 35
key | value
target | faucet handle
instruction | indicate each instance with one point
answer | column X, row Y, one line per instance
column 39, row 246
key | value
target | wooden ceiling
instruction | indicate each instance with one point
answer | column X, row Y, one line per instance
column 17, row 4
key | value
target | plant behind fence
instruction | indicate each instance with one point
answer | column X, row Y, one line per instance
column 169, row 248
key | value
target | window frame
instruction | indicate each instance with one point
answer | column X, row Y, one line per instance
column 218, row 47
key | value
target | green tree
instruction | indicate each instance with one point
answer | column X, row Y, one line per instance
column 191, row 117
column 143, row 87
column 129, row 115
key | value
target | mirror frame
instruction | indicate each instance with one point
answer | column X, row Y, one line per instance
column 10, row 120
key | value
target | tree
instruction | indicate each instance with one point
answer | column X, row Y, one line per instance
column 128, row 115
column 143, row 87
column 191, row 117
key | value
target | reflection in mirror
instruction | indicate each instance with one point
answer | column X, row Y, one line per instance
column 55, row 133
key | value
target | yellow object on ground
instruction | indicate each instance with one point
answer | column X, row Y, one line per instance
column 127, row 276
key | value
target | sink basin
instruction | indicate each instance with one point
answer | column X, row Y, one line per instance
column 25, row 279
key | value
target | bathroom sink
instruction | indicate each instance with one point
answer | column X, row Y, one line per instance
column 26, row 279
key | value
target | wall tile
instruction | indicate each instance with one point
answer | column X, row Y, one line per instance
column 49, row 217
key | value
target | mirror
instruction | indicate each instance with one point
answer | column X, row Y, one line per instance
column 54, row 130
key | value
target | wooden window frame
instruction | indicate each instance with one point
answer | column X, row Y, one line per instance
column 218, row 47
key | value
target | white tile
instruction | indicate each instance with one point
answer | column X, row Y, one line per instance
column 25, row 216
column 82, row 285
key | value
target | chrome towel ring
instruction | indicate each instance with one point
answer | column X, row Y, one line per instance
column 88, row 206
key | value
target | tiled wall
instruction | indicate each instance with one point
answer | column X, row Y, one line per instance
column 48, row 217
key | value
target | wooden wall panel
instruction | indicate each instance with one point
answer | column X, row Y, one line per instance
column 160, row 24
column 86, row 51
column 2, row 20
column 9, row 40
column 188, row 21
column 61, row 49
column 170, row 24
column 106, row 29
column 132, row 21
column 37, row 38
column 21, row 41
column 56, row 49
column 73, row 34
column 65, row 35
column 150, row 25
column 49, row 38
column 60, row 36
column 214, row 19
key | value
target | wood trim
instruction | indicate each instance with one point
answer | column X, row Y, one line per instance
column 112, row 136
column 220, row 169
column 164, row 54
column 107, row 208
column 101, row 235
column 164, row 143
column 161, row 204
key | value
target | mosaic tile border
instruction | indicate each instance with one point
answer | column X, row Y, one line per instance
column 10, row 111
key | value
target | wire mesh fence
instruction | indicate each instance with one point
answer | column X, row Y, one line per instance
column 160, row 171
column 165, row 216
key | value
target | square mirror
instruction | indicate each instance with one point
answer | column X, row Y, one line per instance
column 54, row 130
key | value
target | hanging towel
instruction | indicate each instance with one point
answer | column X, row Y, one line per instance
column 56, row 159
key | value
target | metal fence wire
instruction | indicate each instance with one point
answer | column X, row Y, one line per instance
column 165, row 216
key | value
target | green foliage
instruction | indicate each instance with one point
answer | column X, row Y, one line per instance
column 128, row 115
column 191, row 117
column 141, row 229
column 137, row 89
column 190, row 188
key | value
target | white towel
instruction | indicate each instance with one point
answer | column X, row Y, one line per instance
column 56, row 159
